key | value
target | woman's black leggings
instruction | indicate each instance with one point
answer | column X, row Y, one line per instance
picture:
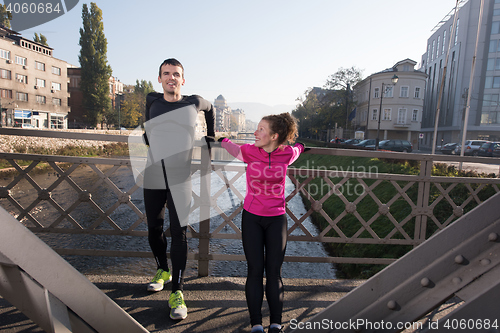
column 264, row 243
column 154, row 202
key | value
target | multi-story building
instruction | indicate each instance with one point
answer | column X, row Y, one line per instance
column 250, row 126
column 76, row 118
column 402, row 103
column 33, row 84
column 484, row 109
column 239, row 119
column 222, row 115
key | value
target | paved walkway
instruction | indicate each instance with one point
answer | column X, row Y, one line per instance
column 215, row 304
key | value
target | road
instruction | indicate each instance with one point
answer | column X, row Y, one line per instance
column 478, row 167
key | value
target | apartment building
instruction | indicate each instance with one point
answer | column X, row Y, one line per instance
column 222, row 115
column 76, row 118
column 484, row 110
column 33, row 84
column 239, row 117
column 394, row 111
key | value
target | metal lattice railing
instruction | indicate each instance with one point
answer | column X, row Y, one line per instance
column 98, row 196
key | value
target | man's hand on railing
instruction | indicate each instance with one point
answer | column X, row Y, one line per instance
column 209, row 139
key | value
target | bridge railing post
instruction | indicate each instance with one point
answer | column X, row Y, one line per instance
column 423, row 200
column 204, row 241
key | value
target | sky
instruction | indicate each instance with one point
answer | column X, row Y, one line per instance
column 258, row 51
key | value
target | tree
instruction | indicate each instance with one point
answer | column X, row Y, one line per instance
column 130, row 111
column 5, row 16
column 340, row 83
column 307, row 112
column 95, row 71
column 142, row 89
column 343, row 78
column 40, row 39
column 322, row 108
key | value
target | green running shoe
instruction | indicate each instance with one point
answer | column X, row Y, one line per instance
column 159, row 280
column 178, row 307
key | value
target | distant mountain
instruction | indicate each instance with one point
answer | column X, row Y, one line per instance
column 255, row 111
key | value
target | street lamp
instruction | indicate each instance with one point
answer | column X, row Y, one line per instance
column 394, row 80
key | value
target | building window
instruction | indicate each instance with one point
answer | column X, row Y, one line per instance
column 437, row 48
column 414, row 115
column 433, row 49
column 490, row 100
column 56, row 86
column 56, row 101
column 5, row 74
column 374, row 114
column 56, row 122
column 456, row 31
column 404, row 91
column 417, row 92
column 21, row 78
column 376, row 93
column 495, row 27
column 40, row 83
column 41, row 99
column 22, row 96
column 5, row 54
column 5, row 93
column 388, row 91
column 444, row 41
column 21, row 60
column 492, row 82
column 40, row 66
column 493, row 46
column 401, row 116
column 489, row 118
column 387, row 114
column 56, row 70
column 22, row 117
column 490, row 64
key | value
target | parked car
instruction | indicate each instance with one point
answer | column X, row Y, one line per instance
column 396, row 145
column 366, row 142
column 471, row 147
column 496, row 152
column 351, row 141
column 449, row 148
column 487, row 148
column 337, row 140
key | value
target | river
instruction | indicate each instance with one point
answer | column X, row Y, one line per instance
column 123, row 178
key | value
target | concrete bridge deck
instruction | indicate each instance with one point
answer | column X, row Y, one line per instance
column 215, row 304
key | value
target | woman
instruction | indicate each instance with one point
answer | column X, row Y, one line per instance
column 264, row 222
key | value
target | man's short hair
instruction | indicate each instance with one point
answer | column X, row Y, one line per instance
column 173, row 62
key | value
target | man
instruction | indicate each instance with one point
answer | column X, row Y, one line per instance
column 169, row 133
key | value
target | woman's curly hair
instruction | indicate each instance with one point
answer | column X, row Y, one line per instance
column 285, row 125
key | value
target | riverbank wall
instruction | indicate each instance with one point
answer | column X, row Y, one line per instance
column 31, row 144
